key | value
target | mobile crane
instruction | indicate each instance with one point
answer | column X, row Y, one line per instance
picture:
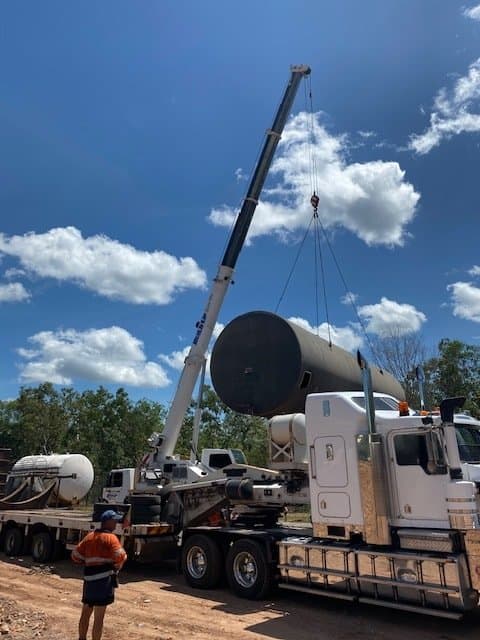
column 161, row 467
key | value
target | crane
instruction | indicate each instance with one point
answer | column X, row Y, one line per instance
column 164, row 443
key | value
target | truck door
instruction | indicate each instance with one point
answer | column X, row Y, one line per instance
column 420, row 486
column 329, row 473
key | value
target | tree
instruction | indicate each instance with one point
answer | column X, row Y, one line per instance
column 222, row 428
column 457, row 373
column 400, row 354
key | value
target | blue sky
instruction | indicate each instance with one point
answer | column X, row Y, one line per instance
column 129, row 129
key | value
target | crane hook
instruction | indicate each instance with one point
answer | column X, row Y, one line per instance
column 314, row 201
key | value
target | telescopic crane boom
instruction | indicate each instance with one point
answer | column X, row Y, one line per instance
column 193, row 363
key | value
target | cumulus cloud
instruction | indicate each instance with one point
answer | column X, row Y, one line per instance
column 105, row 266
column 372, row 200
column 240, row 175
column 14, row 273
column 466, row 300
column 388, row 317
column 176, row 359
column 110, row 355
column 474, row 271
column 344, row 337
column 13, row 292
column 455, row 111
column 349, row 298
column 473, row 12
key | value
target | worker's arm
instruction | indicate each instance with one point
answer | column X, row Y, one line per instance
column 78, row 554
column 119, row 554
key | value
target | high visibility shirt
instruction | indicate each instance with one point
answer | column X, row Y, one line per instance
column 100, row 552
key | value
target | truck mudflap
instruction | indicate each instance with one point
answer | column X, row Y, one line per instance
column 435, row 584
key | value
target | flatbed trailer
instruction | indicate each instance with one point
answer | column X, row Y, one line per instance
column 46, row 534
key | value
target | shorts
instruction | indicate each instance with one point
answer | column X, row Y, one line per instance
column 99, row 593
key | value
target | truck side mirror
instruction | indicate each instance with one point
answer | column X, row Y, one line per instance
column 448, row 406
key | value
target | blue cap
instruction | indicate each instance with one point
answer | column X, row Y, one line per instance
column 110, row 514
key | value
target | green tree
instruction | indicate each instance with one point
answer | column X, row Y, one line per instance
column 456, row 372
column 222, row 428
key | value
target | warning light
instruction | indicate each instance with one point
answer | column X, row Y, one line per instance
column 403, row 409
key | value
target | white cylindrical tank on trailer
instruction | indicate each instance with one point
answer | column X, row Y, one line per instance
column 74, row 471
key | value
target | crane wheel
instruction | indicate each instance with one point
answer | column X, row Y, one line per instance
column 202, row 562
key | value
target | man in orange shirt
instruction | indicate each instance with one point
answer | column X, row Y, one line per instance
column 102, row 556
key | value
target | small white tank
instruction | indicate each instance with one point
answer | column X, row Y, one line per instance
column 287, row 441
column 74, row 470
column 287, row 428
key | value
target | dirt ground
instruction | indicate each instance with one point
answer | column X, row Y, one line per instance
column 155, row 604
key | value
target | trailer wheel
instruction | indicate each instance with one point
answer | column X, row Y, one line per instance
column 202, row 562
column 42, row 547
column 249, row 573
column 13, row 543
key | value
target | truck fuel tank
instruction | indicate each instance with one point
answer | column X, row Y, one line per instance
column 264, row 365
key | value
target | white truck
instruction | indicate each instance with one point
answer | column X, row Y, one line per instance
column 395, row 513
column 120, row 483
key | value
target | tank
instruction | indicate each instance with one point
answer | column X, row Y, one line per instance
column 75, row 473
column 264, row 365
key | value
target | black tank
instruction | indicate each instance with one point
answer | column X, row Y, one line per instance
column 264, row 365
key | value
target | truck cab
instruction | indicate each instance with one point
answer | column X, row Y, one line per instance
column 118, row 486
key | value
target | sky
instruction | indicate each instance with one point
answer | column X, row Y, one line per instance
column 129, row 131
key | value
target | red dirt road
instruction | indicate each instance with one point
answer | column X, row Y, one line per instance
column 156, row 604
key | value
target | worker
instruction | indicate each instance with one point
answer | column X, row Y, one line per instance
column 102, row 556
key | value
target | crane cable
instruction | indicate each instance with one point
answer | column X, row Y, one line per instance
column 319, row 227
column 315, row 201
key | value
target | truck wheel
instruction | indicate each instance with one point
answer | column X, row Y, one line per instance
column 42, row 547
column 13, row 543
column 249, row 573
column 202, row 562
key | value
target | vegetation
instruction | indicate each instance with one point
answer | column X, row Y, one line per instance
column 113, row 431
column 454, row 371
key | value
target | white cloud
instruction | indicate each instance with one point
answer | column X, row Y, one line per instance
column 372, row 200
column 474, row 271
column 344, row 337
column 473, row 12
column 367, row 134
column 453, row 112
column 349, row 298
column 176, row 359
column 466, row 300
column 240, row 175
column 100, row 264
column 14, row 273
column 13, row 292
column 110, row 355
column 388, row 317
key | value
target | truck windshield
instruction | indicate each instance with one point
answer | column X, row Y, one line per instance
column 468, row 439
column 239, row 456
column 380, row 404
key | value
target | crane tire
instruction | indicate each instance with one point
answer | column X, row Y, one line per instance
column 202, row 562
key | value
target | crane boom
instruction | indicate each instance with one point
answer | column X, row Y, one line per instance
column 196, row 356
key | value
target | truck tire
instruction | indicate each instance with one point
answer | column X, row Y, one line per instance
column 42, row 547
column 13, row 542
column 202, row 562
column 249, row 574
